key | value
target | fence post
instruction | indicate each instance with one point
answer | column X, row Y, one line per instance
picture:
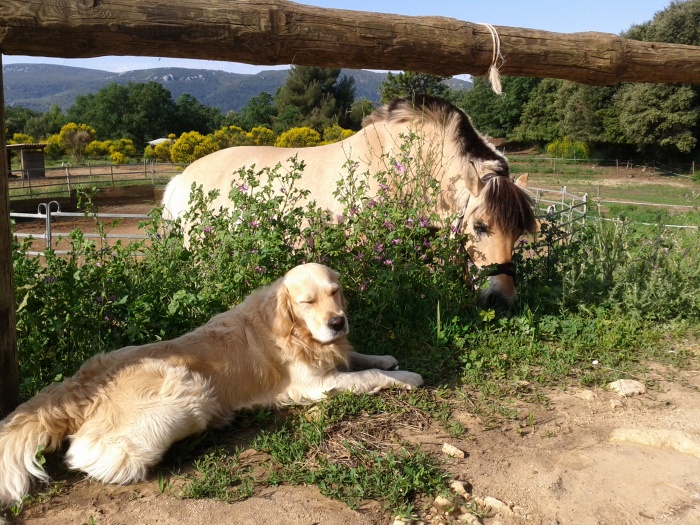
column 111, row 173
column 9, row 367
column 68, row 177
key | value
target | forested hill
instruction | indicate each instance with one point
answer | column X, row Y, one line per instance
column 39, row 86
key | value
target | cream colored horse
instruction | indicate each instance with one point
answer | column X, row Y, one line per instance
column 493, row 211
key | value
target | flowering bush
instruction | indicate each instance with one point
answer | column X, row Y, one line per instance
column 298, row 138
column 100, row 297
column 192, row 146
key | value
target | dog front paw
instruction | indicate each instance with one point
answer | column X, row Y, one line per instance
column 407, row 379
column 387, row 362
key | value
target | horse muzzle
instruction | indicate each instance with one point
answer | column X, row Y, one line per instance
column 501, row 293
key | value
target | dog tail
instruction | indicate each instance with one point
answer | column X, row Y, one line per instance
column 37, row 426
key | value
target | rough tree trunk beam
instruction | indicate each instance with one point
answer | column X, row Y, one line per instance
column 9, row 373
column 275, row 32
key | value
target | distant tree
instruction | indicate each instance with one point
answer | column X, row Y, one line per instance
column 660, row 119
column 138, row 111
column 316, row 96
column 407, row 84
column 46, row 124
column 259, row 111
column 358, row 111
column 670, row 122
column 286, row 118
column 542, row 114
column 74, row 139
column 192, row 115
column 16, row 119
column 494, row 115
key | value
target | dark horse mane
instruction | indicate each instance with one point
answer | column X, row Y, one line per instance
column 507, row 204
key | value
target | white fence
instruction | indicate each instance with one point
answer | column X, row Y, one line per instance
column 51, row 210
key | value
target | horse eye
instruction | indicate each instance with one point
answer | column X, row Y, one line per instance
column 481, row 227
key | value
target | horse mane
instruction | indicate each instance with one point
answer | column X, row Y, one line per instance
column 510, row 207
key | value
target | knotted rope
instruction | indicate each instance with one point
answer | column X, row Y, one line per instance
column 496, row 61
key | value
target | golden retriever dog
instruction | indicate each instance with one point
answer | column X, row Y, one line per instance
column 285, row 343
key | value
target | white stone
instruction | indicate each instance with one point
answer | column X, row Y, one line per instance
column 627, row 387
column 458, row 487
column 452, row 451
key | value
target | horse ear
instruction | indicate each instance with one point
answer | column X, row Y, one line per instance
column 474, row 183
column 522, row 180
column 283, row 317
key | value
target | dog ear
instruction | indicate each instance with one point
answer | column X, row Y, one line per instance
column 283, row 316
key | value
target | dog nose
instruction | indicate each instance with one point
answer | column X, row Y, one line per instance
column 336, row 323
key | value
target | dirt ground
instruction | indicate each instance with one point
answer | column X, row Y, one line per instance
column 591, row 456
column 577, row 462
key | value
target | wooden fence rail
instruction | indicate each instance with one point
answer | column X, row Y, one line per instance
column 280, row 32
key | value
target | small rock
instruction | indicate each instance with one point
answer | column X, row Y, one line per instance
column 459, row 487
column 452, row 451
column 442, row 503
column 586, row 395
column 520, row 512
column 469, row 519
column 399, row 520
column 497, row 506
column 627, row 387
column 615, row 404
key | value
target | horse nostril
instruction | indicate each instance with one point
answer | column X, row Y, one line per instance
column 336, row 323
column 497, row 302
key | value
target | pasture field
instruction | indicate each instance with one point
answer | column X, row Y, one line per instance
column 523, row 396
column 610, row 183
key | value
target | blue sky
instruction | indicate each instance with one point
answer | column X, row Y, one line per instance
column 565, row 16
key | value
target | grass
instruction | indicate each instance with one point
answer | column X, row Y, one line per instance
column 580, row 177
column 592, row 310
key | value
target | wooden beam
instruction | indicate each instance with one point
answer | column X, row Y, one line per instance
column 273, row 32
column 9, row 370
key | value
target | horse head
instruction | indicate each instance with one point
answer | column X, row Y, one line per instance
column 493, row 210
column 497, row 212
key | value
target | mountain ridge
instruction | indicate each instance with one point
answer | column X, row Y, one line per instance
column 60, row 85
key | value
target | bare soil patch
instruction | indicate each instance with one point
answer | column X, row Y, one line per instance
column 557, row 466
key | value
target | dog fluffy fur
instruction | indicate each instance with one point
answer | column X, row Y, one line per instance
column 286, row 343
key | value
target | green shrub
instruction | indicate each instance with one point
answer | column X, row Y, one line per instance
column 567, row 148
